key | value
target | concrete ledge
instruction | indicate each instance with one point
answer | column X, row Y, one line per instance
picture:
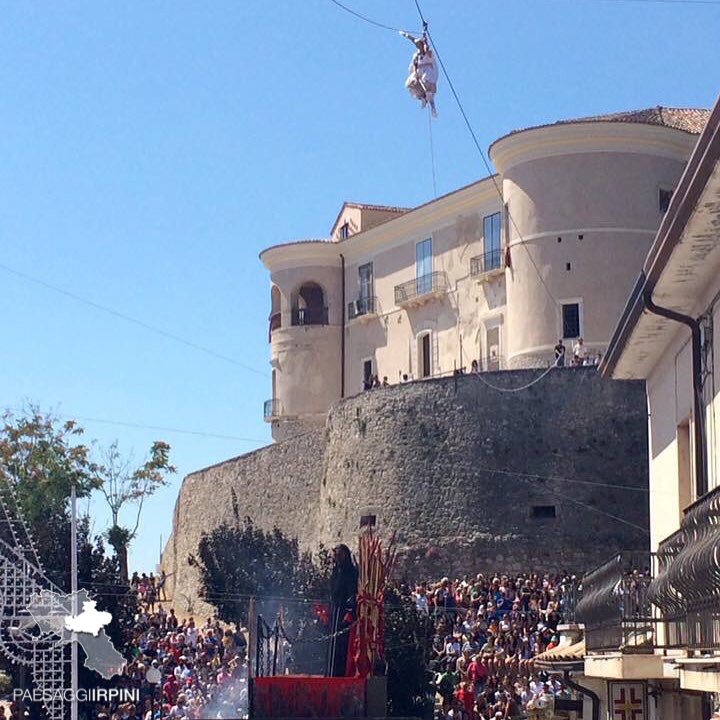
column 700, row 673
column 618, row 666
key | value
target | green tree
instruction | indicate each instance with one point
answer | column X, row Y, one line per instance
column 41, row 459
column 408, row 639
column 237, row 561
column 123, row 485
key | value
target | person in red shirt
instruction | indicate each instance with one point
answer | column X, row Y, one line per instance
column 466, row 697
column 170, row 689
column 477, row 673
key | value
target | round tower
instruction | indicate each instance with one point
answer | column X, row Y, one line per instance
column 584, row 199
column 305, row 333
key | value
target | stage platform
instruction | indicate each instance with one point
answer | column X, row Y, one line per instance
column 312, row 696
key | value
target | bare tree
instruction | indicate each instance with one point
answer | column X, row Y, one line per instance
column 123, row 485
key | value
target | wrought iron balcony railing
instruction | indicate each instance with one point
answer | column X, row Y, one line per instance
column 687, row 587
column 615, row 605
column 569, row 596
column 272, row 410
column 434, row 283
column 309, row 316
column 361, row 306
column 488, row 261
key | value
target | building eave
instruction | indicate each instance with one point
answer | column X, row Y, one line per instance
column 300, row 253
column 683, row 258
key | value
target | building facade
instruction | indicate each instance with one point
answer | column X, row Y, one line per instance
column 652, row 620
column 487, row 276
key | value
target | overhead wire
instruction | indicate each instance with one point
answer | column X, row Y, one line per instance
column 140, row 426
column 130, row 319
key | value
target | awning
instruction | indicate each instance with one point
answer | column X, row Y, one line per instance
column 563, row 657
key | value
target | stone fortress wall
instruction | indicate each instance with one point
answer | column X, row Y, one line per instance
column 434, row 461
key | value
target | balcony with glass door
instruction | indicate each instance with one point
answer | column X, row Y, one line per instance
column 364, row 308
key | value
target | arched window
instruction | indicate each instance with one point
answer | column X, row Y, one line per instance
column 275, row 314
column 309, row 306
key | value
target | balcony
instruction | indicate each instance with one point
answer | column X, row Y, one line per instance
column 687, row 586
column 309, row 316
column 272, row 410
column 421, row 289
column 615, row 605
column 362, row 307
column 489, row 262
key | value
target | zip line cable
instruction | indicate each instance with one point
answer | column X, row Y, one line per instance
column 489, row 170
column 367, row 19
column 476, row 142
column 432, row 152
column 130, row 319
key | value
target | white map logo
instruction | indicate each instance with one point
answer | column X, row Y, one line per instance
column 53, row 614
column 90, row 620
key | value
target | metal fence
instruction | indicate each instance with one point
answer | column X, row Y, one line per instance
column 687, row 586
column 615, row 605
column 488, row 261
column 309, row 316
column 432, row 283
column 361, row 306
column 272, row 409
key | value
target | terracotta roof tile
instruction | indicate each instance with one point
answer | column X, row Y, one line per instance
column 690, row 120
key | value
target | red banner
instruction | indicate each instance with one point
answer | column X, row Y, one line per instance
column 304, row 696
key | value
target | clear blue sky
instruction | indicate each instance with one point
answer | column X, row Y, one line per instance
column 149, row 151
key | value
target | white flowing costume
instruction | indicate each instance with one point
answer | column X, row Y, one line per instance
column 422, row 73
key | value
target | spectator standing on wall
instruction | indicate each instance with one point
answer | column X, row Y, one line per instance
column 560, row 354
column 579, row 352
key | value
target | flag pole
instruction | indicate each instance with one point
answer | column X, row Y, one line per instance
column 73, row 590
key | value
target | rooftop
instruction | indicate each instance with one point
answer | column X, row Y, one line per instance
column 689, row 120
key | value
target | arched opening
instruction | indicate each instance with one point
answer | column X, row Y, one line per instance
column 275, row 314
column 309, row 306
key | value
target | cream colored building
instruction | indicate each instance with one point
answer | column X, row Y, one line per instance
column 652, row 621
column 491, row 274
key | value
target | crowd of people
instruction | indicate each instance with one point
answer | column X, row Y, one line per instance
column 488, row 630
column 200, row 670
column 581, row 356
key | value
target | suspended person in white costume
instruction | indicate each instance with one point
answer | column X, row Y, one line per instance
column 423, row 74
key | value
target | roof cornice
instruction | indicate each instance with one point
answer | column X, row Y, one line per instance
column 302, row 253
column 586, row 137
column 425, row 217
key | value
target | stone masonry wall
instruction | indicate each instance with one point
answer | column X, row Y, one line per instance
column 451, row 465
column 278, row 485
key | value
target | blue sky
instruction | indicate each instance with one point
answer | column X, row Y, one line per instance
column 150, row 150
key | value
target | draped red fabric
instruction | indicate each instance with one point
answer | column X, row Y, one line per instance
column 305, row 696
